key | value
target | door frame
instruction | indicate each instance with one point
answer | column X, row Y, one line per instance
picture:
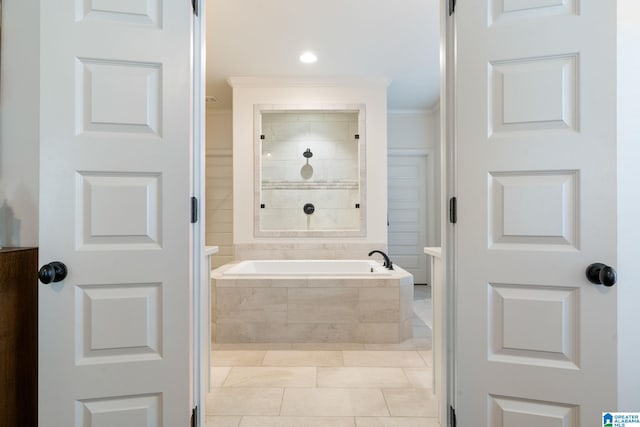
column 201, row 289
column 448, row 189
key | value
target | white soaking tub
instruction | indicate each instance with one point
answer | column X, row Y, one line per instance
column 322, row 267
column 302, row 301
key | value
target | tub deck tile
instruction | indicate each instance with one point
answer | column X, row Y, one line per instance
column 327, row 305
column 312, row 309
column 379, row 305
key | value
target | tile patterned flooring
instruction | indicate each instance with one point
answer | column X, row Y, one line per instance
column 315, row 385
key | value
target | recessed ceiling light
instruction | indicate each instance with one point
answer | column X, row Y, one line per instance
column 308, row 57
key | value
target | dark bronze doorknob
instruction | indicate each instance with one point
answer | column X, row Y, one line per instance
column 53, row 272
column 601, row 274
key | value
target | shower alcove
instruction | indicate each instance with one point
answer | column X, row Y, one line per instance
column 310, row 172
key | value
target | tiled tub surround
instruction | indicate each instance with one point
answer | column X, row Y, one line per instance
column 272, row 308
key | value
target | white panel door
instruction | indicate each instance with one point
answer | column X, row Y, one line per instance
column 536, row 131
column 407, row 207
column 114, row 207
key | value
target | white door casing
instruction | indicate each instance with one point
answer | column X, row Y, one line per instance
column 114, row 336
column 536, row 144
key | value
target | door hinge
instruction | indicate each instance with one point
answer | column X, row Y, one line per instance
column 194, row 5
column 452, row 416
column 194, row 417
column 194, row 210
column 452, row 7
column 453, row 210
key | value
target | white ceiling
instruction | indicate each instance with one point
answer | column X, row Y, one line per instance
column 396, row 39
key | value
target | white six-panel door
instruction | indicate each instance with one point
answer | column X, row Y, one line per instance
column 114, row 207
column 535, row 114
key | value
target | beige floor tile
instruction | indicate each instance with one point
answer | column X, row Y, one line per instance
column 362, row 377
column 237, row 357
column 328, row 346
column 266, row 376
column 410, row 344
column 222, row 421
column 412, row 402
column 395, row 359
column 218, row 375
column 244, row 401
column 333, row 402
column 423, row 309
column 303, row 358
column 297, row 422
column 420, row 377
column 251, row 346
column 422, row 332
column 396, row 422
column 427, row 356
column 417, row 321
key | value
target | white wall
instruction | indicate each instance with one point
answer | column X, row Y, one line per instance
column 19, row 123
column 309, row 94
column 411, row 130
column 628, row 205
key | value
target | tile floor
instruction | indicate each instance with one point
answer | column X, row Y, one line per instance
column 314, row 385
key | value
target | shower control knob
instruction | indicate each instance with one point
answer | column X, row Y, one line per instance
column 309, row 208
column 53, row 272
column 601, row 274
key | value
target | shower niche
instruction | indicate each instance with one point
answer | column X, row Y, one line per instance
column 309, row 171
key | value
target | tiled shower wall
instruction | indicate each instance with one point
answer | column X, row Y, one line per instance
column 328, row 179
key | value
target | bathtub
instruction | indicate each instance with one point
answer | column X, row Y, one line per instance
column 311, row 301
column 308, row 268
